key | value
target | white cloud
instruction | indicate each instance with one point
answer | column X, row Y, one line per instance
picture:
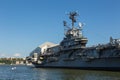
column 2, row 55
column 17, row 55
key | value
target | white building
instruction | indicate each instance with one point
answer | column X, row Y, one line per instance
column 42, row 49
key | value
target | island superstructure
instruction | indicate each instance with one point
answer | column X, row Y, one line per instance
column 72, row 51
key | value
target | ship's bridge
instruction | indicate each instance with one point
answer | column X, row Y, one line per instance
column 73, row 36
column 73, row 33
column 74, row 39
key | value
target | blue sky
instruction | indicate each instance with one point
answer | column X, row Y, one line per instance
column 25, row 24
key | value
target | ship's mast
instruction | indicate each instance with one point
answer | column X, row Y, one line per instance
column 73, row 36
column 68, row 31
column 72, row 16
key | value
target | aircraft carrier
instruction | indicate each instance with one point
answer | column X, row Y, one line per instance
column 72, row 51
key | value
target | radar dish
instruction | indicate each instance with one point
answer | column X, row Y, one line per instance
column 80, row 24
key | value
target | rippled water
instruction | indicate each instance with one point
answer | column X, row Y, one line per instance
column 28, row 73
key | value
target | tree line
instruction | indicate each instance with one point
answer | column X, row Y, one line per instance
column 10, row 60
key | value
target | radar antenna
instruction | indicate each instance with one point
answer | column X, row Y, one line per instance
column 72, row 17
column 66, row 27
column 64, row 23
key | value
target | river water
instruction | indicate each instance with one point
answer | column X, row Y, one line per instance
column 8, row 72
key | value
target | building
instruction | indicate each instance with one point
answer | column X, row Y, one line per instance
column 42, row 49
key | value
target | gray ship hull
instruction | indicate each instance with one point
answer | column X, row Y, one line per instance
column 72, row 52
column 94, row 64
